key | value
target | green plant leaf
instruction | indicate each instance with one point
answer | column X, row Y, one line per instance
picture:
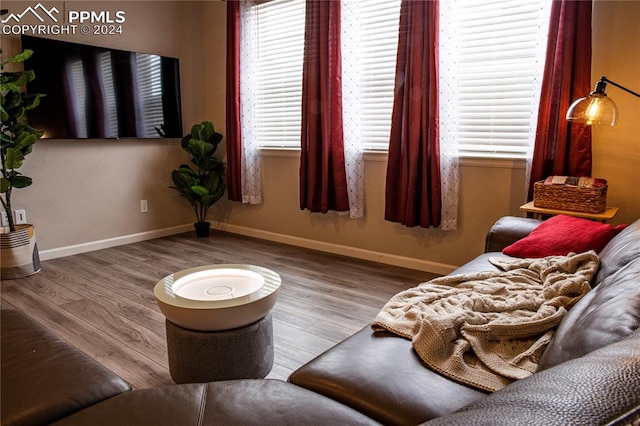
column 202, row 131
column 200, row 190
column 208, row 200
column 20, row 57
column 185, row 168
column 212, row 181
column 25, row 140
column 12, row 100
column 16, row 114
column 183, row 179
column 14, row 159
column 20, row 181
column 13, row 82
column 212, row 164
column 199, row 148
column 219, row 192
column 31, row 101
column 4, row 116
column 5, row 185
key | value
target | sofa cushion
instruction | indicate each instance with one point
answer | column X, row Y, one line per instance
column 480, row 263
column 607, row 314
column 44, row 378
column 622, row 249
column 561, row 235
column 233, row 402
column 380, row 375
column 596, row 389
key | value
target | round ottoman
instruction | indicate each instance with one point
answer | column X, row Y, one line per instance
column 204, row 356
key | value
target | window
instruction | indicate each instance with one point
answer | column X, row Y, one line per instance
column 378, row 32
column 498, row 60
column 279, row 31
column 278, row 80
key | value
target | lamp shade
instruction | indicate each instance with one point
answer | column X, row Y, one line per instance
column 596, row 108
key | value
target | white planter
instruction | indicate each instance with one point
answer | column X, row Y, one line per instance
column 18, row 252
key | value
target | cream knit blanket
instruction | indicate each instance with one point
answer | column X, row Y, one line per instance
column 490, row 328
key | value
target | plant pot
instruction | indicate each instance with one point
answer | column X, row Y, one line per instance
column 19, row 253
column 202, row 229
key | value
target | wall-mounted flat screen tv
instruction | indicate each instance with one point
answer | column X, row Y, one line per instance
column 96, row 92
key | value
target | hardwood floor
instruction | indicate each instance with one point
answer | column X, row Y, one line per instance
column 102, row 302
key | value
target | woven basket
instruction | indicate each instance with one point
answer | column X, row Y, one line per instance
column 569, row 197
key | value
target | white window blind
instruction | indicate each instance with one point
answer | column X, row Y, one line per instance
column 280, row 48
column 500, row 59
column 378, row 32
column 499, row 56
column 279, row 29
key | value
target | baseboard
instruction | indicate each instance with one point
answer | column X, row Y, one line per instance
column 112, row 242
column 358, row 253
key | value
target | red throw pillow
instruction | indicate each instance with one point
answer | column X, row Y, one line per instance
column 561, row 235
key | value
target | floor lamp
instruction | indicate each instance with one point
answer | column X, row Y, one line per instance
column 597, row 108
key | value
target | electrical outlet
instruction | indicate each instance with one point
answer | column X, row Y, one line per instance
column 144, row 206
column 5, row 219
column 20, row 216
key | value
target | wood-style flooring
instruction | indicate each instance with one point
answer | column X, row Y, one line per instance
column 102, row 302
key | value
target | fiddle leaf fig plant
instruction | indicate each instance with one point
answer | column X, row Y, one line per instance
column 201, row 183
column 16, row 138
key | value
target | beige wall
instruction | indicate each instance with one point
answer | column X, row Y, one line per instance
column 90, row 190
column 488, row 190
column 616, row 150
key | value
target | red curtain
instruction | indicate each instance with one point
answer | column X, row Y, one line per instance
column 563, row 148
column 233, row 138
column 413, row 195
column 323, row 182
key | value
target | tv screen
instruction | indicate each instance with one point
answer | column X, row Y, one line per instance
column 96, row 92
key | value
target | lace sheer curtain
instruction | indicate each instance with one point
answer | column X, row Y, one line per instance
column 540, row 52
column 251, row 158
column 449, row 93
column 353, row 149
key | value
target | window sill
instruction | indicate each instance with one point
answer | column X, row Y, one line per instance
column 381, row 156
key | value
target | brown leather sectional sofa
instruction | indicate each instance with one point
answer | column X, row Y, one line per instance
column 590, row 373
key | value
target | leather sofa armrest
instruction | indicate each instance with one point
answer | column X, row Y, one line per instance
column 507, row 230
column 43, row 377
column 602, row 387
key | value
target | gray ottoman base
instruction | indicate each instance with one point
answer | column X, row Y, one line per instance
column 205, row 356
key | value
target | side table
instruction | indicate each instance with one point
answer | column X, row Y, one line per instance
column 218, row 321
column 541, row 212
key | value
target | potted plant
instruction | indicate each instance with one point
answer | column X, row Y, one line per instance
column 17, row 241
column 203, row 184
